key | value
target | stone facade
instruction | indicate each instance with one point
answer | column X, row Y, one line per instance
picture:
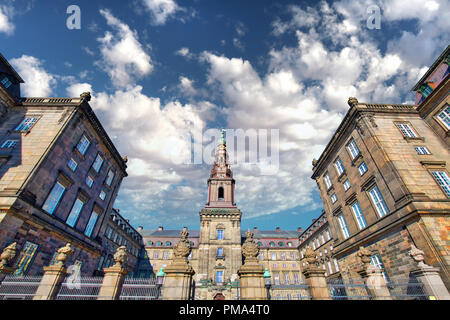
column 383, row 179
column 40, row 193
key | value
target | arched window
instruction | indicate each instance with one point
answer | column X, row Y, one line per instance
column 272, row 244
column 220, row 252
column 159, row 243
column 150, row 243
column 280, row 244
column 168, row 243
column 259, row 244
column 221, row 193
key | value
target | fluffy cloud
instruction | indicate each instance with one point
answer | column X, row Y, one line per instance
column 38, row 82
column 6, row 25
column 161, row 10
column 186, row 86
column 123, row 56
column 76, row 89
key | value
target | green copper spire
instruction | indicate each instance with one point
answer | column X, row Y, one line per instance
column 223, row 137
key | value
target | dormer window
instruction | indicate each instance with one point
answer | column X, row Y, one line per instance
column 6, row 82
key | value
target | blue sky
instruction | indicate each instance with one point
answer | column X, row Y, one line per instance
column 160, row 67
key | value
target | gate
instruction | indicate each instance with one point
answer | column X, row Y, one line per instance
column 87, row 288
column 140, row 289
column 353, row 289
column 19, row 288
column 407, row 289
column 290, row 292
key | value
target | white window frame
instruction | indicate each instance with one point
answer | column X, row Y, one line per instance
column 362, row 168
column 26, row 124
column 444, row 116
column 443, row 180
column 102, row 195
column 91, row 224
column 407, row 130
column 83, row 144
column 422, row 150
column 361, row 221
column 378, row 201
column 75, row 212
column 353, row 149
column 333, row 198
column 9, row 144
column 343, row 225
column 347, row 185
column 339, row 166
column 110, row 177
column 54, row 197
column 71, row 166
column 97, row 165
column 89, row 178
column 327, row 180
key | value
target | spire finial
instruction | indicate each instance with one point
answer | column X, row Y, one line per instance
column 223, row 137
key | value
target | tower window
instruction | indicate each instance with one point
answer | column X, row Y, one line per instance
column 221, row 193
column 220, row 234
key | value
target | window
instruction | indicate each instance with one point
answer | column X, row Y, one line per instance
column 314, row 245
column 378, row 201
column 165, row 255
column 343, row 225
column 425, row 90
column 83, row 144
column 346, row 185
column 97, row 163
column 333, row 198
column 89, row 181
column 26, row 124
column 220, row 252
column 220, row 196
column 422, row 150
column 53, row 198
column 72, row 164
column 75, row 212
column 286, row 278
column 407, row 130
column 156, row 255
column 26, row 255
column 327, row 180
column 168, row 243
column 6, row 82
column 353, row 149
column 362, row 168
column 259, row 244
column 9, row 144
column 276, row 278
column 149, row 243
column 328, row 234
column 280, row 244
column 444, row 116
column 336, row 265
column 159, row 243
column 76, row 272
column 219, row 276
column 220, row 234
column 100, row 263
column 376, row 262
column 322, row 239
column 91, row 224
column 274, row 256
column 358, row 215
column 261, row 256
column 110, row 177
column 289, row 244
column 292, row 256
column 102, row 195
column 272, row 244
column 329, row 267
column 296, row 278
column 339, row 167
column 443, row 180
column 283, row 256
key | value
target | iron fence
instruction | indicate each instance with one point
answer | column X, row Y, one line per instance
column 351, row 289
column 140, row 289
column 290, row 292
column 407, row 289
column 19, row 288
column 84, row 288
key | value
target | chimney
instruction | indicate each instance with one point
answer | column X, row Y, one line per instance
column 160, row 228
column 299, row 229
column 278, row 229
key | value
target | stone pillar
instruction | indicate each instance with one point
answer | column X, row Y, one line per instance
column 6, row 258
column 429, row 276
column 315, row 277
column 251, row 273
column 54, row 275
column 178, row 276
column 114, row 277
column 373, row 277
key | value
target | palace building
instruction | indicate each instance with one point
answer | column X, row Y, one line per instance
column 384, row 180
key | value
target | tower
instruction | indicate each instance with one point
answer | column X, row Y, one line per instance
column 220, row 228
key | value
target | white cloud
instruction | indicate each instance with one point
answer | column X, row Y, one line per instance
column 184, row 52
column 76, row 89
column 161, row 10
column 186, row 85
column 123, row 56
column 6, row 25
column 38, row 82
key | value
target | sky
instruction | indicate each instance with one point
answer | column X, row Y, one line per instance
column 158, row 68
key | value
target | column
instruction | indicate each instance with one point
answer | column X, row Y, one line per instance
column 114, row 276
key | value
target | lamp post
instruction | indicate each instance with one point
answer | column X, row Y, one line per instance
column 267, row 282
column 159, row 282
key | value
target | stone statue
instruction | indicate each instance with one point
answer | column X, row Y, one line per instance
column 182, row 249
column 417, row 255
column 310, row 257
column 120, row 256
column 63, row 254
column 314, row 162
column 250, row 249
column 364, row 255
column 8, row 255
column 85, row 96
column 352, row 102
column 125, row 159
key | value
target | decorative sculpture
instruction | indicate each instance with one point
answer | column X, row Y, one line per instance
column 250, row 249
column 85, row 96
column 120, row 256
column 8, row 255
column 310, row 257
column 63, row 254
column 352, row 101
column 364, row 254
column 182, row 249
column 418, row 256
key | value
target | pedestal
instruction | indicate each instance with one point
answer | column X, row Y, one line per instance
column 375, row 283
column 432, row 281
column 50, row 282
column 177, row 282
column 252, row 282
column 316, row 280
column 112, row 283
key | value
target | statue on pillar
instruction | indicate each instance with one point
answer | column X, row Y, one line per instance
column 182, row 249
column 63, row 254
column 250, row 249
column 8, row 255
column 120, row 257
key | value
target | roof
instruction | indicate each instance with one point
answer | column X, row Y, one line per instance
column 282, row 234
column 18, row 77
column 431, row 69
